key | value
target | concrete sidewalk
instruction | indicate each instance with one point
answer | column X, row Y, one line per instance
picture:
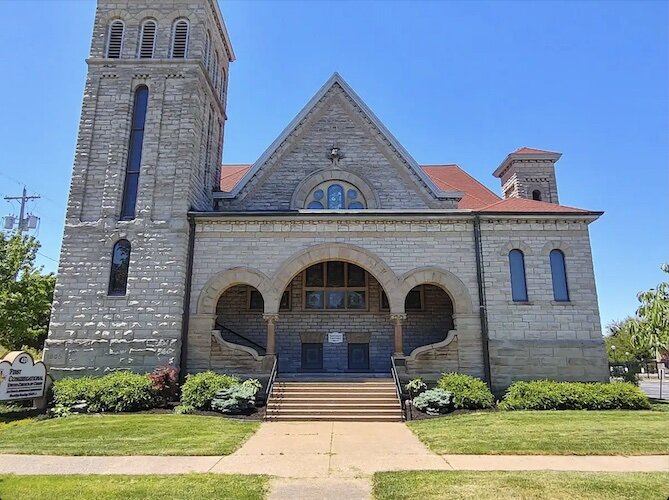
column 325, row 450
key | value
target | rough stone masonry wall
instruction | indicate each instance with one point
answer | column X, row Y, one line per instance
column 542, row 338
column 423, row 327
column 404, row 245
column 335, row 121
column 523, row 177
column 91, row 332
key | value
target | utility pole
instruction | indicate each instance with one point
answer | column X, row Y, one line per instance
column 24, row 199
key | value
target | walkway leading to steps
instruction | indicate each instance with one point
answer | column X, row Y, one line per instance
column 328, row 450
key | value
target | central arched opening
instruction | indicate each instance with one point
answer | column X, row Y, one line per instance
column 429, row 311
column 336, row 322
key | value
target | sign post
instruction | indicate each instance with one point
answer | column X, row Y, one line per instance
column 21, row 378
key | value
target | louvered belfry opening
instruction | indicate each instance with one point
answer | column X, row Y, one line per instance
column 115, row 43
column 148, row 40
column 180, row 40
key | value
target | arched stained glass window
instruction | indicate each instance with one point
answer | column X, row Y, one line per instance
column 118, row 276
column 134, row 153
column 335, row 197
column 517, row 269
column 559, row 274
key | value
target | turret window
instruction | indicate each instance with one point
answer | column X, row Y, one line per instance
column 180, row 39
column 134, row 153
column 336, row 195
column 115, row 39
column 536, row 195
column 518, row 282
column 559, row 275
column 118, row 275
column 147, row 41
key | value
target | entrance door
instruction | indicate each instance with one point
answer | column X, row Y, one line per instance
column 312, row 356
column 358, row 356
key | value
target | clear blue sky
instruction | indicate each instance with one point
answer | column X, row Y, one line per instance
column 456, row 82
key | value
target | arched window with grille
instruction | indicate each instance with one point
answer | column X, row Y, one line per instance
column 115, row 39
column 180, row 39
column 517, row 270
column 207, row 50
column 118, row 275
column 559, row 275
column 134, row 153
column 147, row 39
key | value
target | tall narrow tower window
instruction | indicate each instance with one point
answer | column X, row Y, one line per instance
column 134, row 153
column 180, row 39
column 115, row 39
column 118, row 275
column 207, row 50
column 559, row 275
column 517, row 269
column 147, row 41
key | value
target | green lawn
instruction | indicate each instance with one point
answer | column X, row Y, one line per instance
column 139, row 434
column 547, row 432
column 446, row 485
column 183, row 487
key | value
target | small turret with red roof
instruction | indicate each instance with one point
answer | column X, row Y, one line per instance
column 529, row 173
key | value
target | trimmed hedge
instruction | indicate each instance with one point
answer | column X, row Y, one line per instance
column 468, row 392
column 200, row 389
column 552, row 395
column 115, row 392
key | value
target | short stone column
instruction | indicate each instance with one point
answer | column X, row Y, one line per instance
column 398, row 320
column 271, row 333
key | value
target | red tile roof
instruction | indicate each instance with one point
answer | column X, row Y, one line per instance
column 525, row 205
column 447, row 178
column 231, row 175
column 453, row 178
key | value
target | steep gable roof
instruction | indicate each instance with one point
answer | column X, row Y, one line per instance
column 453, row 178
column 476, row 197
column 337, row 80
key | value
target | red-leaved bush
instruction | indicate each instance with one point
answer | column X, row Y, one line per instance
column 165, row 380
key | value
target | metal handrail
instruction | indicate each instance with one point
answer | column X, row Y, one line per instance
column 398, row 386
column 272, row 378
column 257, row 346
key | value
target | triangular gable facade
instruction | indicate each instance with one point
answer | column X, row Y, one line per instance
column 336, row 117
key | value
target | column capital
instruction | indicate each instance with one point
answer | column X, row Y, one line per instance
column 395, row 318
column 270, row 318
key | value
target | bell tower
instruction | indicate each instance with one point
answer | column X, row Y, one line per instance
column 148, row 151
column 529, row 173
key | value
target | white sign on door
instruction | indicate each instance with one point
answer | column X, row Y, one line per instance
column 21, row 378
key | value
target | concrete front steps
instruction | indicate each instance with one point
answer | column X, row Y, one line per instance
column 351, row 400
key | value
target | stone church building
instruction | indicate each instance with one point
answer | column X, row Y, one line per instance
column 332, row 253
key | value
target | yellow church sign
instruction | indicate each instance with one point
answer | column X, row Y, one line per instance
column 21, row 378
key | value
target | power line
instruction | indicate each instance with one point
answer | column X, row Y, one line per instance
column 47, row 257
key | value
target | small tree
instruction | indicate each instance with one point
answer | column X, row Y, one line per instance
column 650, row 329
column 619, row 345
column 25, row 293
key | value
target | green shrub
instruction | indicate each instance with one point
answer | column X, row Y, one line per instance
column 200, row 389
column 434, row 401
column 237, row 399
column 552, row 395
column 115, row 392
column 468, row 392
column 184, row 410
column 415, row 386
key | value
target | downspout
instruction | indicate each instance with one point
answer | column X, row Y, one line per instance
column 483, row 315
column 185, row 318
